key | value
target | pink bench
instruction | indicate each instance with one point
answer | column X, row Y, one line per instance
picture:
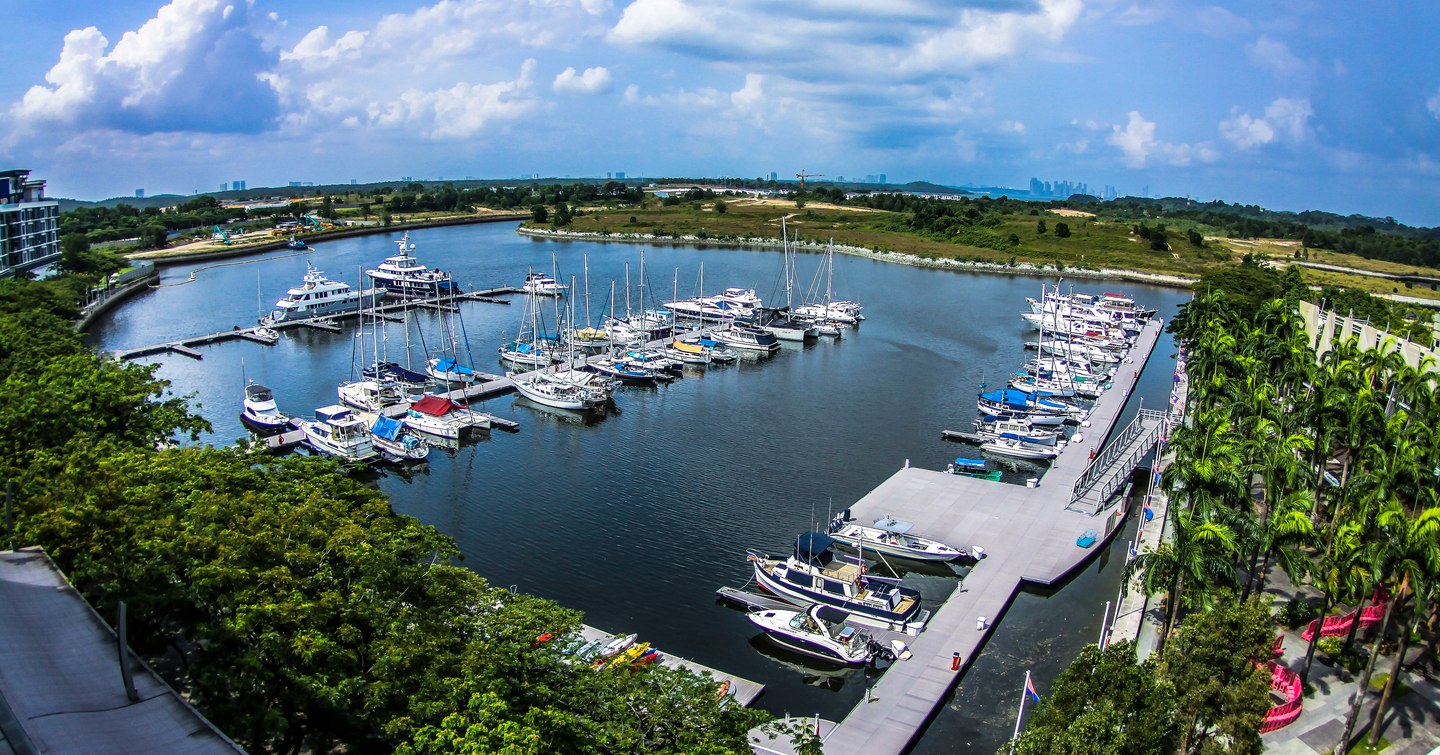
column 1287, row 683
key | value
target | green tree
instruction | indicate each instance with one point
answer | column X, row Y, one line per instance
column 1040, row 227
column 720, row 207
column 539, row 215
column 1062, row 230
column 1215, row 665
column 1104, row 702
column 1195, row 239
column 153, row 236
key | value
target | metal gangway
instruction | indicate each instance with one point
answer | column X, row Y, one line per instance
column 1111, row 468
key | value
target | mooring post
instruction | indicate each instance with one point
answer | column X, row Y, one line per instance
column 120, row 635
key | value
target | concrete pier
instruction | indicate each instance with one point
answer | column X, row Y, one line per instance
column 1028, row 535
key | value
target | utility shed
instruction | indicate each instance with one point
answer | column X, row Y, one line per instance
column 61, row 689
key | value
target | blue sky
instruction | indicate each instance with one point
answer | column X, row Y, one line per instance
column 1291, row 104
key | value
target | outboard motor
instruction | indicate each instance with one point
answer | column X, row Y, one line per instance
column 845, row 515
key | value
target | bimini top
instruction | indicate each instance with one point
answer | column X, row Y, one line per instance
column 961, row 461
column 386, row 427
column 814, row 548
column 829, row 614
column 891, row 524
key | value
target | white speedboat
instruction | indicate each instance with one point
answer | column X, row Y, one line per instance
column 1018, row 429
column 403, row 276
column 750, row 339
column 540, row 284
column 1019, row 449
column 317, row 296
column 819, row 632
column 891, row 537
column 723, row 307
column 389, row 436
column 337, row 432
column 815, row 574
column 259, row 411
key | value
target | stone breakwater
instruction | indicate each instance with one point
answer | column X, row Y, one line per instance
column 1019, row 268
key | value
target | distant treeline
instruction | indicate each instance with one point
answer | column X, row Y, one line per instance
column 126, row 221
column 1372, row 238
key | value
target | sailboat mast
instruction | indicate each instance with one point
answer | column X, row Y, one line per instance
column 588, row 322
column 627, row 291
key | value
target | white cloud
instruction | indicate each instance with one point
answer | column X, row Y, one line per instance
column 592, row 81
column 459, row 112
column 1012, row 127
column 1275, row 57
column 1136, row 141
column 193, row 67
column 1284, row 118
column 1433, row 104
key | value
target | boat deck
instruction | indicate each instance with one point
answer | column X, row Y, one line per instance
column 1028, row 535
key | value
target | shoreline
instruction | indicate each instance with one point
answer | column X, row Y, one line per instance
column 159, row 256
column 901, row 258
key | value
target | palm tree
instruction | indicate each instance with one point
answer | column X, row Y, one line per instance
column 1343, row 569
column 1409, row 549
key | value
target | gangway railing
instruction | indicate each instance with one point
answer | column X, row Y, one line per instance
column 1109, row 470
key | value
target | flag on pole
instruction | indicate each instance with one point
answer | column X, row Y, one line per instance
column 1030, row 689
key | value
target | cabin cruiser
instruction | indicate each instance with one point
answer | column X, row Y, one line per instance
column 727, row 305
column 336, row 431
column 402, row 276
column 815, row 574
column 819, row 632
column 317, row 296
column 891, row 537
column 716, row 349
column 540, row 284
column 259, row 411
column 1018, row 429
column 739, row 336
column 1019, row 449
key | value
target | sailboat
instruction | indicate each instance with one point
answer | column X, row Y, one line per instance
column 367, row 394
column 264, row 332
column 448, row 369
column 589, row 337
column 564, row 389
column 830, row 311
column 528, row 349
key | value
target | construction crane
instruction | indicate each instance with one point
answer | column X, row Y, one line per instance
column 802, row 175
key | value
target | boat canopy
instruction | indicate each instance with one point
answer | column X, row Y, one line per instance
column 961, row 461
column 829, row 614
column 891, row 524
column 814, row 548
column 1007, row 396
column 258, row 392
column 386, row 427
column 452, row 367
column 435, row 406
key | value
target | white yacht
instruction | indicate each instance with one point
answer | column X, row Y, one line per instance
column 540, row 284
column 891, row 537
column 747, row 338
column 727, row 305
column 389, row 436
column 337, row 432
column 568, row 389
column 403, row 276
column 259, row 411
column 439, row 416
column 370, row 395
column 318, row 296
column 819, row 632
column 814, row 574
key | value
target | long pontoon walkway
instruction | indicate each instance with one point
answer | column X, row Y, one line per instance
column 1028, row 535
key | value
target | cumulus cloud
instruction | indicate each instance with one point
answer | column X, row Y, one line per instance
column 1433, row 104
column 1275, row 56
column 1284, row 118
column 193, row 67
column 592, row 81
column 1136, row 141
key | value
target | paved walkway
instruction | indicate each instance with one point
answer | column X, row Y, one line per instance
column 1412, row 720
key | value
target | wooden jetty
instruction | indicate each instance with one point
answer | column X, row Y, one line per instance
column 743, row 690
column 1028, row 535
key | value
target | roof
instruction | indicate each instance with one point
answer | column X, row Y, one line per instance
column 58, row 675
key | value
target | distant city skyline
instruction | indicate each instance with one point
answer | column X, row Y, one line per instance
column 1299, row 104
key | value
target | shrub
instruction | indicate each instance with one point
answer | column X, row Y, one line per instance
column 1331, row 646
column 1295, row 614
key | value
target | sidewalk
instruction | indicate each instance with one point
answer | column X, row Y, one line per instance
column 1412, row 720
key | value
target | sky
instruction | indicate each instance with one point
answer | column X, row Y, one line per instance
column 1289, row 104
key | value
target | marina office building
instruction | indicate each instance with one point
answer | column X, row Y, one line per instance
column 29, row 224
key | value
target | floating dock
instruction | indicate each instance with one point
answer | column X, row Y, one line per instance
column 1028, row 535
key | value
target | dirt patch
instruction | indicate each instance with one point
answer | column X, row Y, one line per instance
column 1073, row 213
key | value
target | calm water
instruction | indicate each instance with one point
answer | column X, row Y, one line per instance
column 636, row 517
